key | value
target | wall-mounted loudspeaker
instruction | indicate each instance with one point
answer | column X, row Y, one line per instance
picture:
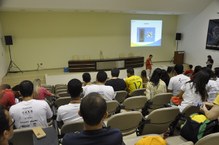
column 178, row 36
column 8, row 40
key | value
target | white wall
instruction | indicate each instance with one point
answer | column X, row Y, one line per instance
column 3, row 66
column 194, row 30
column 53, row 38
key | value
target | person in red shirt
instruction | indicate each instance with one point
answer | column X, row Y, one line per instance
column 7, row 98
column 189, row 71
column 148, row 65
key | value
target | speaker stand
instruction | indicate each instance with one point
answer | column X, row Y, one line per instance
column 12, row 63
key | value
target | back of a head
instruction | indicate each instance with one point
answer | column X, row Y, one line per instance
column 26, row 88
column 5, row 86
column 209, row 71
column 93, row 108
column 143, row 73
column 190, row 66
column 115, row 72
column 197, row 69
column 86, row 77
column 4, row 121
column 216, row 71
column 156, row 76
column 209, row 57
column 74, row 88
column 130, row 71
column 178, row 68
column 200, row 80
column 101, row 76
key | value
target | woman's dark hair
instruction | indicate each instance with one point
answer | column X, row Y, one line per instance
column 156, row 76
column 165, row 77
column 143, row 73
column 4, row 122
column 196, row 70
column 199, row 82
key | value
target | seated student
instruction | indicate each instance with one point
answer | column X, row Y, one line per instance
column 6, row 126
column 30, row 112
column 93, row 111
column 144, row 78
column 196, row 70
column 40, row 93
column 117, row 83
column 155, row 85
column 132, row 81
column 194, row 92
column 106, row 91
column 211, row 110
column 87, row 79
column 7, row 98
column 189, row 71
column 177, row 81
column 69, row 112
column 165, row 77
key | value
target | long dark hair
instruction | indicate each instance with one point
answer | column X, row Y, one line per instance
column 199, row 82
column 156, row 76
column 4, row 122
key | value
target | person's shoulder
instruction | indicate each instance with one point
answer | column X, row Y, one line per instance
column 69, row 138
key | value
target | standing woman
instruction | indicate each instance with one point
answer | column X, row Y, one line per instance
column 6, row 126
column 210, row 62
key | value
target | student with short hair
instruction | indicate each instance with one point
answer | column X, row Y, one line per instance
column 93, row 110
column 6, row 126
column 86, row 78
column 107, row 92
column 132, row 81
column 117, row 83
column 177, row 81
column 69, row 112
column 30, row 112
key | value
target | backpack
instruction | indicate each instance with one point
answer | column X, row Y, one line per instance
column 198, row 126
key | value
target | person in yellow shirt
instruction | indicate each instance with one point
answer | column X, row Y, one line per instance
column 133, row 82
column 211, row 110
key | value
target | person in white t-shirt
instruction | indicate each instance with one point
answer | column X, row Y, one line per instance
column 107, row 92
column 194, row 92
column 30, row 112
column 177, row 81
column 69, row 112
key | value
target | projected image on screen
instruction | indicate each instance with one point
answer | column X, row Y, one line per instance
column 146, row 33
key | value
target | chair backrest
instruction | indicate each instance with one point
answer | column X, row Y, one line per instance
column 22, row 136
column 159, row 120
column 138, row 92
column 160, row 100
column 26, row 137
column 127, row 122
column 72, row 127
column 134, row 103
column 63, row 94
column 62, row 101
column 190, row 110
column 211, row 139
column 121, row 96
column 112, row 106
column 61, row 90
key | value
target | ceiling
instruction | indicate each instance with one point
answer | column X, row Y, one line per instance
column 172, row 7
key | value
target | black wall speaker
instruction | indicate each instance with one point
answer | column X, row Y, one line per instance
column 178, row 36
column 8, row 40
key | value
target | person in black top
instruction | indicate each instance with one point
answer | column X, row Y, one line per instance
column 93, row 111
column 117, row 83
column 210, row 62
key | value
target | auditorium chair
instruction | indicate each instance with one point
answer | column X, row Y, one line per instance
column 134, row 103
column 138, row 92
column 121, row 96
column 112, row 107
